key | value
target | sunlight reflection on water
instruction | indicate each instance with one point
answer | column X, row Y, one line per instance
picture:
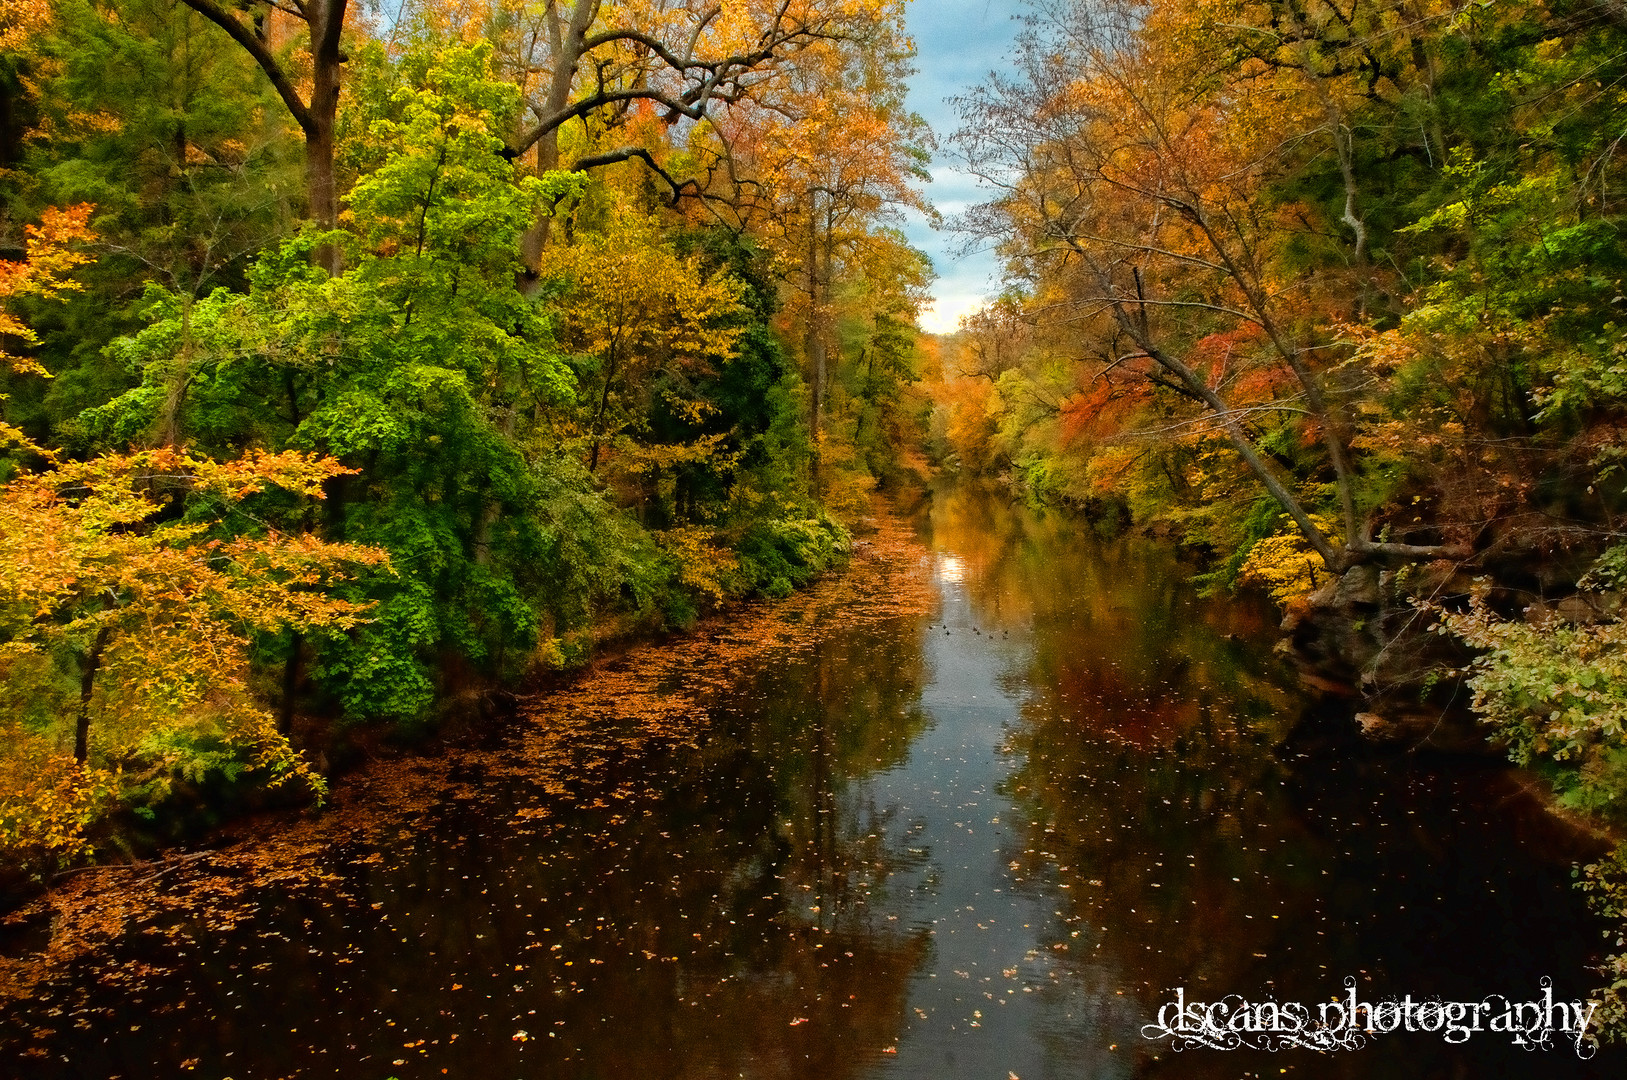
column 951, row 569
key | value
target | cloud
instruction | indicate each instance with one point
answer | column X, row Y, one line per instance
column 948, row 308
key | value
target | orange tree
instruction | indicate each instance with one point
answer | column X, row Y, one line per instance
column 1140, row 183
column 818, row 173
column 52, row 254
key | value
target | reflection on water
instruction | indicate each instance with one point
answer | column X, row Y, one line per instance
column 1167, row 820
column 985, row 841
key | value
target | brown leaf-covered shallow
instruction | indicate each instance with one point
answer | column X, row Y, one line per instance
column 654, row 696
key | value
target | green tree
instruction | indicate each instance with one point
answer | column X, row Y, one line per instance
column 421, row 365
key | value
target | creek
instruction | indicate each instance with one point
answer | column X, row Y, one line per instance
column 976, row 810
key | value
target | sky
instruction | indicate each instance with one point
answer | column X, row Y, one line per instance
column 957, row 43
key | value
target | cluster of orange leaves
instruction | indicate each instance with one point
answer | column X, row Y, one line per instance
column 52, row 255
column 20, row 20
column 1103, row 408
column 46, row 798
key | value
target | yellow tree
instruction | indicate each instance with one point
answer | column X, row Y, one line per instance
column 130, row 591
column 19, row 20
column 52, row 254
column 635, row 306
column 128, row 604
column 836, row 157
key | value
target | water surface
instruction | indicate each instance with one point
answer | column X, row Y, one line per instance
column 976, row 813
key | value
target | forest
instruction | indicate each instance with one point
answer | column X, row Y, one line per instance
column 361, row 364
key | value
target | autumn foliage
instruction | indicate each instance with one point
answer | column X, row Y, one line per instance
column 54, row 249
column 128, row 607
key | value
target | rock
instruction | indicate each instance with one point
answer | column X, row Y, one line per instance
column 1538, row 613
column 1586, row 609
column 1576, row 609
column 1327, row 684
column 1373, row 725
column 1359, row 587
column 1451, row 731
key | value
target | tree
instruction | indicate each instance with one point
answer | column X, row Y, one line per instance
column 424, row 368
column 182, row 148
column 20, row 22
column 631, row 72
column 635, row 307
column 130, row 594
column 1134, row 176
column 165, row 606
column 19, row 19
column 879, row 305
column 131, row 589
column 185, row 158
column 827, row 166
column 53, row 251
column 692, row 60
column 316, row 111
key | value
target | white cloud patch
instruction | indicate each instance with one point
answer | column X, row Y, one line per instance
column 947, row 309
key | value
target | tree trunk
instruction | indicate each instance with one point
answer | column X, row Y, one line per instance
column 814, row 343
column 87, row 685
column 604, row 404
column 291, row 672
column 534, row 241
column 327, row 21
column 567, row 42
column 317, row 117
